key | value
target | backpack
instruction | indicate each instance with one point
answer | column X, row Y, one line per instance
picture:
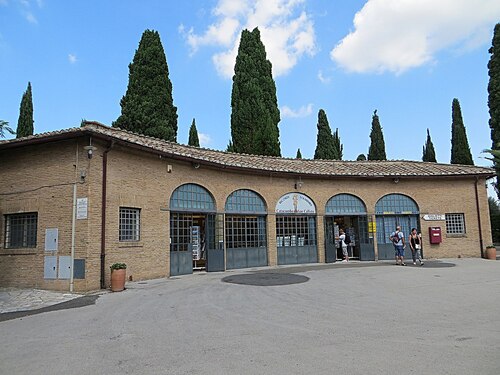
column 396, row 238
column 347, row 239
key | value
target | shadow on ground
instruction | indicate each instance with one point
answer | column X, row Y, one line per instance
column 74, row 303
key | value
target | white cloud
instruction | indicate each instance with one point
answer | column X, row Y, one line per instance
column 287, row 32
column 397, row 35
column 323, row 79
column 72, row 58
column 31, row 18
column 304, row 111
column 205, row 139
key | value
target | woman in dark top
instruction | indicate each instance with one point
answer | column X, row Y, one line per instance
column 415, row 241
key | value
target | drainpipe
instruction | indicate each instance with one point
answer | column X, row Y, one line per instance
column 479, row 218
column 73, row 227
column 103, row 214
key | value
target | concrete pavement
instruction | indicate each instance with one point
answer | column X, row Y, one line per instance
column 365, row 318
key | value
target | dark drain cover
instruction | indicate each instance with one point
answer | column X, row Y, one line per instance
column 266, row 279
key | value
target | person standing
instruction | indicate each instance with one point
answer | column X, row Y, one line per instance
column 398, row 240
column 342, row 239
column 415, row 241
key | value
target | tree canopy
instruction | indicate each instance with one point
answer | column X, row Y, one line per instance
column 255, row 114
column 460, row 150
column 299, row 154
column 193, row 135
column 428, row 153
column 147, row 106
column 494, row 96
column 25, row 123
column 377, row 145
column 325, row 145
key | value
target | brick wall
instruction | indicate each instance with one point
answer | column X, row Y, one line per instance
column 40, row 179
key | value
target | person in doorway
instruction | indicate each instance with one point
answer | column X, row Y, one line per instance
column 342, row 238
column 415, row 241
column 398, row 240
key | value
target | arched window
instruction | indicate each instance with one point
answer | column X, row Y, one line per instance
column 345, row 204
column 192, row 197
column 245, row 201
column 395, row 204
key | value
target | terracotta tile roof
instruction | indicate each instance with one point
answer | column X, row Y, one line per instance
column 259, row 164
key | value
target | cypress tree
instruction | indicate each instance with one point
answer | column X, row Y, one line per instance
column 338, row 145
column 255, row 114
column 460, row 151
column 147, row 106
column 193, row 136
column 494, row 96
column 428, row 153
column 25, row 122
column 299, row 154
column 377, row 145
column 325, row 145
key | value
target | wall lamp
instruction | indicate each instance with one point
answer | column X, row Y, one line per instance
column 90, row 151
column 395, row 180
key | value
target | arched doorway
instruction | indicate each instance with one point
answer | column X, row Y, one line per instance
column 196, row 231
column 296, row 229
column 348, row 212
column 392, row 210
column 246, row 238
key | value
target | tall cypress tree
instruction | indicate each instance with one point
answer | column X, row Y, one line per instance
column 325, row 145
column 255, row 114
column 147, row 106
column 338, row 145
column 25, row 122
column 193, row 135
column 299, row 154
column 460, row 150
column 377, row 145
column 494, row 96
column 428, row 153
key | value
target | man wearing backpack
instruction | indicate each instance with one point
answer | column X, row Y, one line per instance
column 398, row 240
column 344, row 241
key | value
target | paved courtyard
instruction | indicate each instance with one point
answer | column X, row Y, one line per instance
column 359, row 318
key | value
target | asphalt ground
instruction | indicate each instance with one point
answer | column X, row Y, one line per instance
column 355, row 318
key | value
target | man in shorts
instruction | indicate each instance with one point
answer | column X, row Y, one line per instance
column 398, row 240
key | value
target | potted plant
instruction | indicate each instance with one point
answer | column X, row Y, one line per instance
column 118, row 276
column 491, row 252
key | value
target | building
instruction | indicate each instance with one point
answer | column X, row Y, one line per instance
column 95, row 195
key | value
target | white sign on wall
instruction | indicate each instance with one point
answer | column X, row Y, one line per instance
column 81, row 208
column 434, row 217
column 295, row 203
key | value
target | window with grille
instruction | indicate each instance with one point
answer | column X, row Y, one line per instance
column 396, row 204
column 346, row 204
column 245, row 201
column 20, row 230
column 129, row 224
column 245, row 231
column 192, row 197
column 455, row 224
column 295, row 231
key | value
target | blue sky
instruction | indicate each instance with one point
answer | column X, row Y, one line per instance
column 408, row 59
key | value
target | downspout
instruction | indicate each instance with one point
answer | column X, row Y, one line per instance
column 103, row 213
column 479, row 218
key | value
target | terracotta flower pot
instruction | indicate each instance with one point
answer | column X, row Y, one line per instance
column 118, row 280
column 491, row 253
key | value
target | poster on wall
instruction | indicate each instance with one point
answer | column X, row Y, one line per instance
column 295, row 203
column 81, row 208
